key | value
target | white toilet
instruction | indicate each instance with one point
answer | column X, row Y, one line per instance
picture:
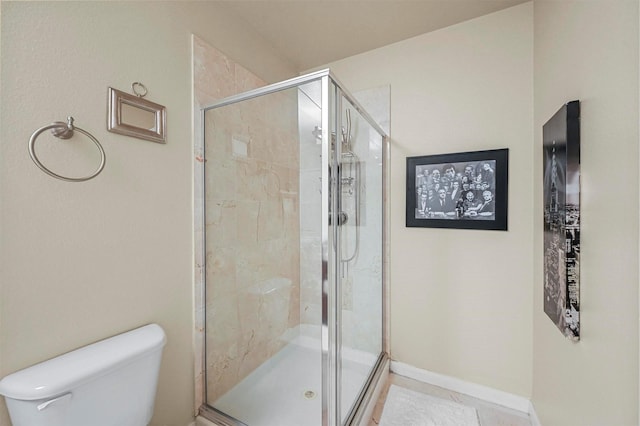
column 109, row 383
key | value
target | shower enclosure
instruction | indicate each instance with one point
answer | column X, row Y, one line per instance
column 293, row 241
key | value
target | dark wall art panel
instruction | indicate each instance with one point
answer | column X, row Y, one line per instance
column 561, row 150
column 465, row 190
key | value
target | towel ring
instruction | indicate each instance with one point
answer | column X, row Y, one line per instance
column 64, row 131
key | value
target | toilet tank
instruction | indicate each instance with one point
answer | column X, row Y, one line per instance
column 109, row 383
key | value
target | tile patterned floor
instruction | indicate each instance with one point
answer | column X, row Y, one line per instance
column 489, row 414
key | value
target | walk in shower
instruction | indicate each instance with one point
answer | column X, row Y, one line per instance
column 293, row 247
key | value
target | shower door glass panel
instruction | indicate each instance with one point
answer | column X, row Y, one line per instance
column 360, row 257
column 263, row 258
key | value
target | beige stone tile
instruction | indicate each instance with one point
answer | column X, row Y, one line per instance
column 220, row 179
column 270, row 219
column 247, row 224
column 221, row 373
column 217, row 134
column 221, row 223
column 223, row 323
column 264, row 141
column 250, row 179
column 246, row 80
column 273, row 180
column 252, row 358
column 223, row 329
column 214, row 73
column 279, row 254
column 221, row 273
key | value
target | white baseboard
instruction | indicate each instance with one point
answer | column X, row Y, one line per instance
column 535, row 421
column 485, row 393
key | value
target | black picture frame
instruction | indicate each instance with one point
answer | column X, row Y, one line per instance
column 437, row 173
column 561, row 189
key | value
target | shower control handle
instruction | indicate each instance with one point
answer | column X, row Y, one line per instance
column 343, row 218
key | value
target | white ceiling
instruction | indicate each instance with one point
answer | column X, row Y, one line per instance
column 310, row 33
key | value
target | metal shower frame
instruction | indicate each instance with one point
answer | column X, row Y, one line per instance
column 331, row 298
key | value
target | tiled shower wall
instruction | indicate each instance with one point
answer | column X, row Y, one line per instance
column 252, row 220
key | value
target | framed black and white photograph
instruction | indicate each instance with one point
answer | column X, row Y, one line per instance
column 465, row 190
column 561, row 188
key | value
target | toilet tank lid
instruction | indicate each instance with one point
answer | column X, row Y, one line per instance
column 66, row 372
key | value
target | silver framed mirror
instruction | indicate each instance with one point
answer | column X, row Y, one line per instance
column 134, row 116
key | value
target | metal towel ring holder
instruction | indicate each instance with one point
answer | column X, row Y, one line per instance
column 64, row 131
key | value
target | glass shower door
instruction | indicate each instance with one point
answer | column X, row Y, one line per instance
column 293, row 252
column 263, row 259
column 359, row 261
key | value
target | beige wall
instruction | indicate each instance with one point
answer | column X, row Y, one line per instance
column 588, row 50
column 461, row 300
column 79, row 262
column 83, row 261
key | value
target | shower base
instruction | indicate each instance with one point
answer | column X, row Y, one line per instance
column 286, row 390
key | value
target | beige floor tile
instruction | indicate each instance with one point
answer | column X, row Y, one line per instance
column 489, row 414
